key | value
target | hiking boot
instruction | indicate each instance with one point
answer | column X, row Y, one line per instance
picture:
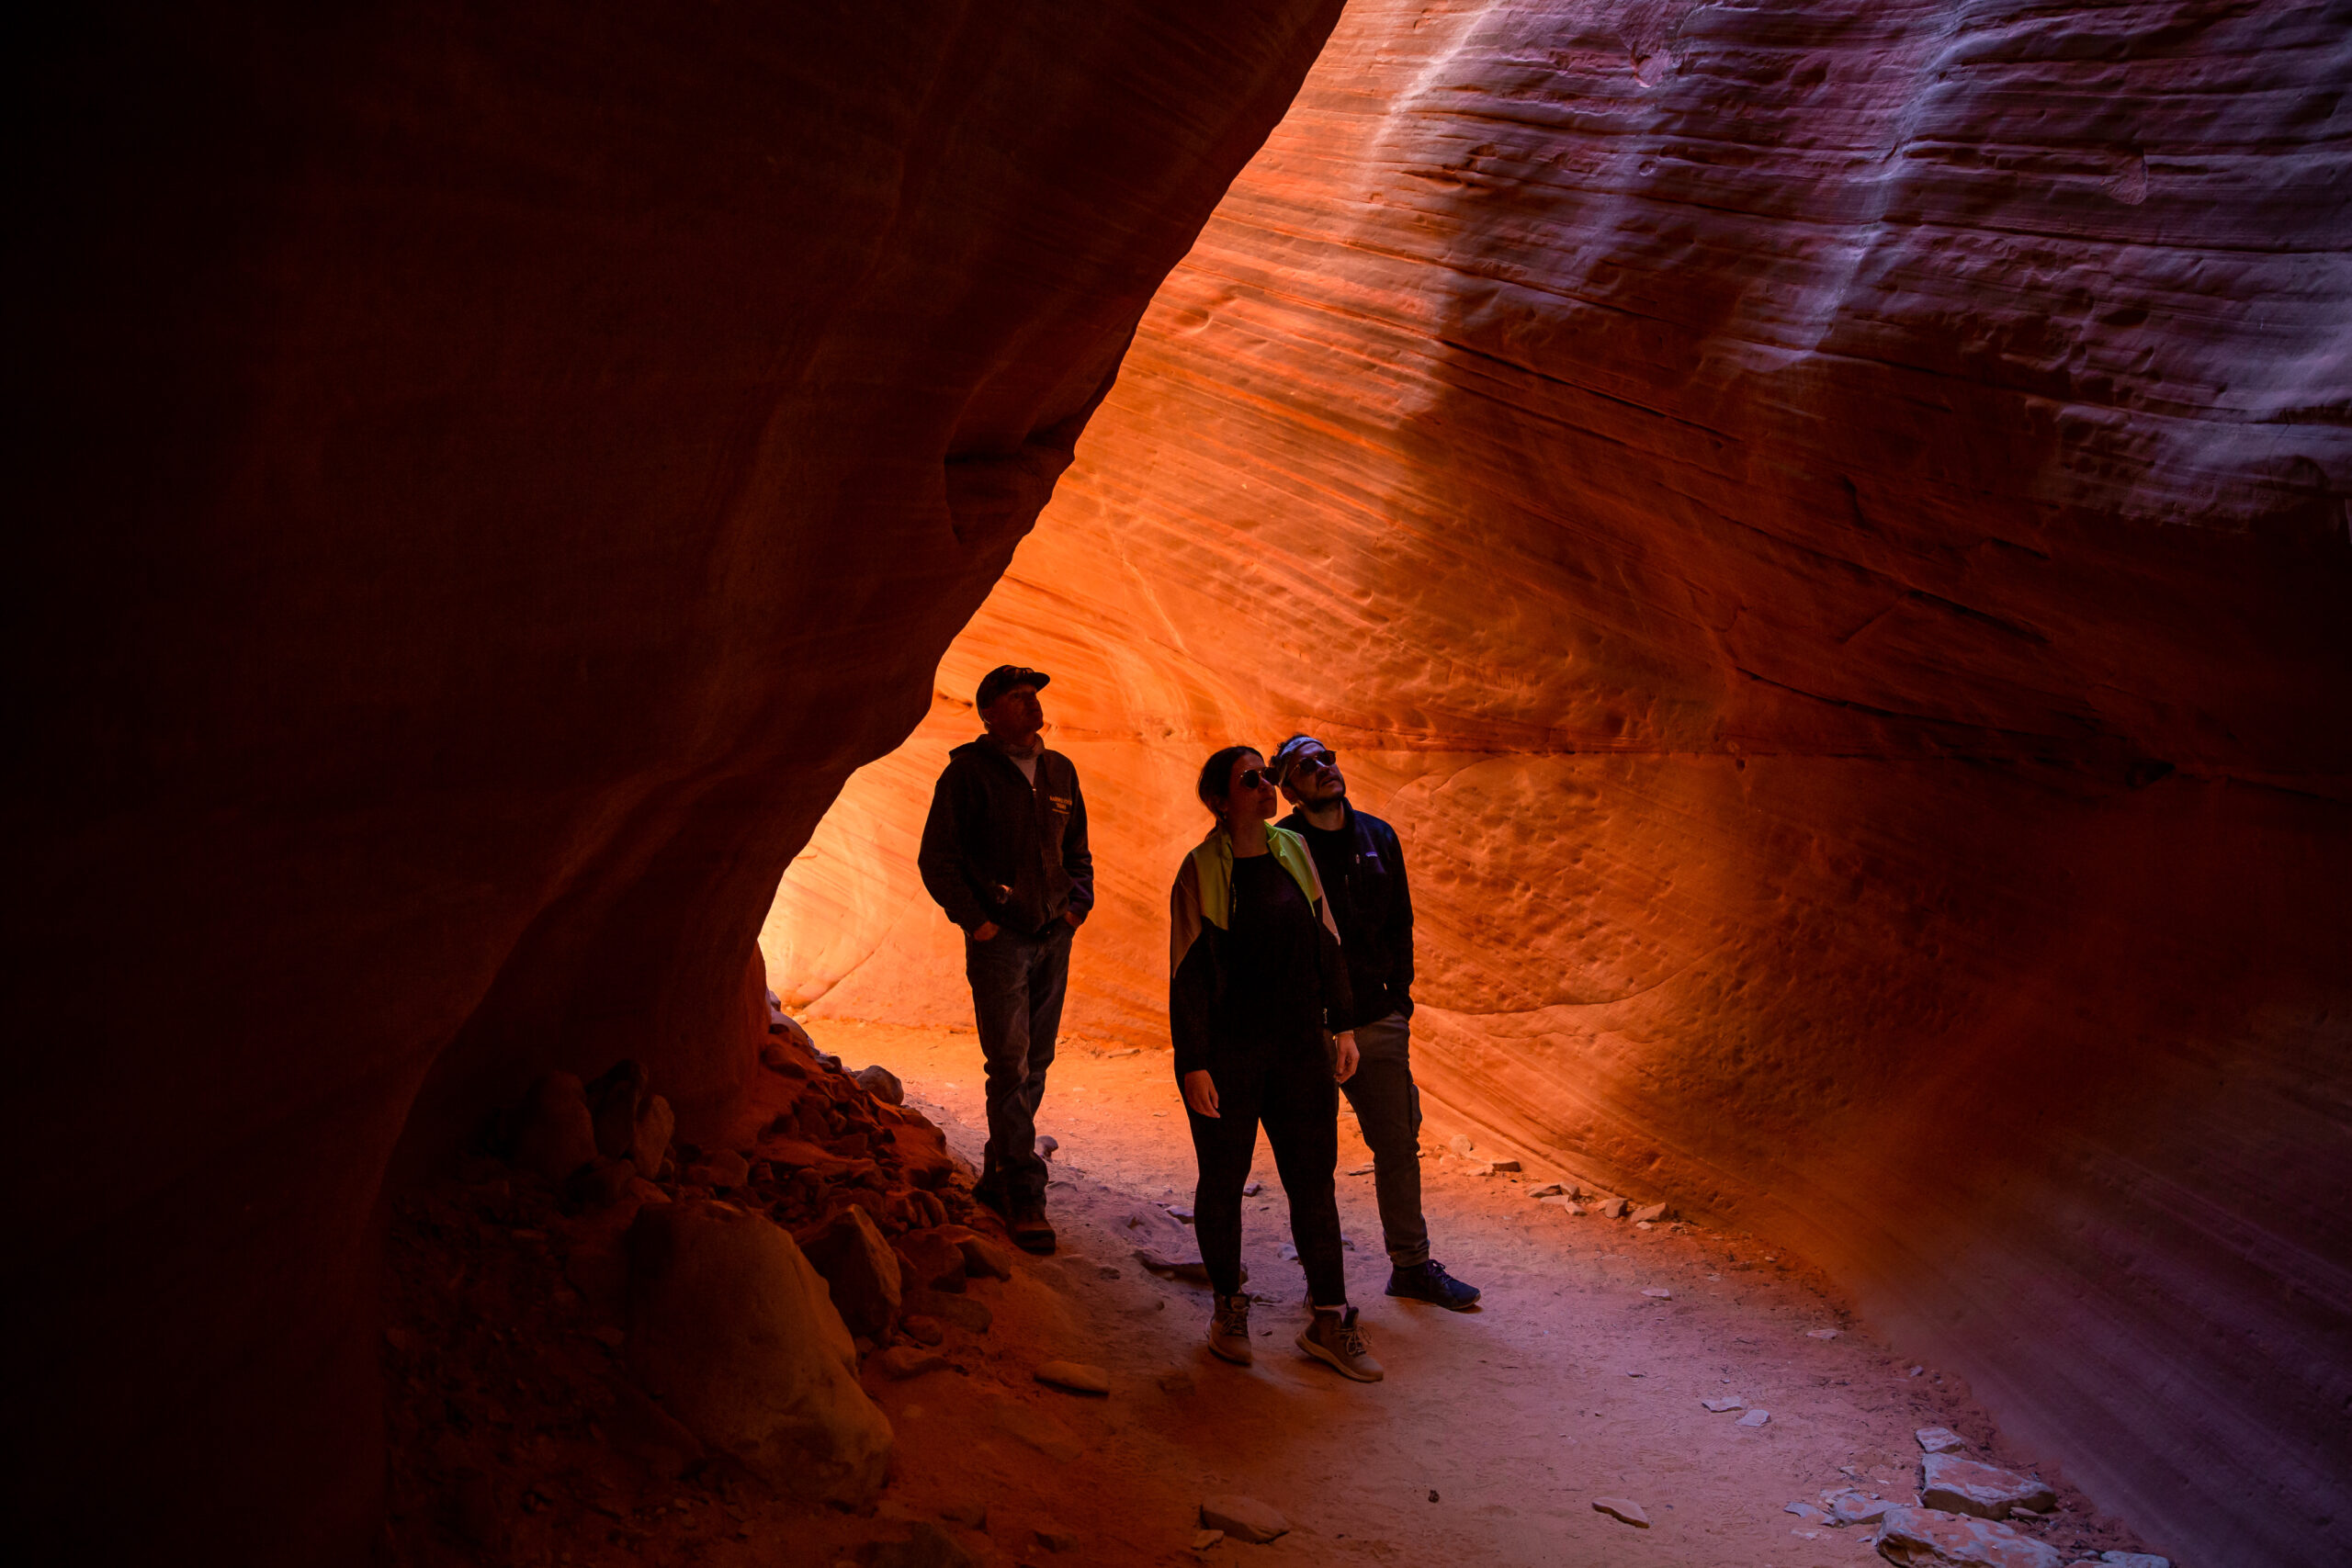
column 1429, row 1282
column 1229, row 1329
column 1334, row 1338
column 1031, row 1232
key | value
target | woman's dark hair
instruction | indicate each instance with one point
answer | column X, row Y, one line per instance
column 1216, row 774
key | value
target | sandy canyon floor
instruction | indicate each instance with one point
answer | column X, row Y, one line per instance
column 1494, row 1430
column 516, row 1437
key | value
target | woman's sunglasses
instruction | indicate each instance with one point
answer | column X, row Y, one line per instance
column 1252, row 777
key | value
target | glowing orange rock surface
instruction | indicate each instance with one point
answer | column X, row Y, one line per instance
column 1824, row 527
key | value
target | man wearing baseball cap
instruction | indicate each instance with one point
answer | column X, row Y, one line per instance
column 1004, row 853
column 1362, row 868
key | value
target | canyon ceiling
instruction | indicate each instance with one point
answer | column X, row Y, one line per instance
column 1824, row 528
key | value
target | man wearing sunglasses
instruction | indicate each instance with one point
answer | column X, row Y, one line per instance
column 1362, row 869
column 1004, row 853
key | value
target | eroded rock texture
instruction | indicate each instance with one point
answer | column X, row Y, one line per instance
column 1825, row 527
column 487, row 477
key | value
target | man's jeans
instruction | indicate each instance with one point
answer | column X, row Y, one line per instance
column 1388, row 1110
column 1017, row 985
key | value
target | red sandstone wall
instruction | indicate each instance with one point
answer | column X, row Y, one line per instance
column 487, row 476
column 1824, row 526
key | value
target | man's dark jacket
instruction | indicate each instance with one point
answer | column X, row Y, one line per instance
column 997, row 849
column 1363, row 877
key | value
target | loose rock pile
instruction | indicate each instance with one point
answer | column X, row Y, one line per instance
column 1966, row 1514
column 605, row 1339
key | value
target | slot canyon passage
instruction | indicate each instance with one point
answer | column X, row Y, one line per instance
column 1823, row 526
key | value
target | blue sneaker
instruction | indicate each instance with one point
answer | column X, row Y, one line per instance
column 1429, row 1282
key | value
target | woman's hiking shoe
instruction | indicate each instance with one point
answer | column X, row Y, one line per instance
column 1429, row 1282
column 1229, row 1329
column 1031, row 1233
column 1334, row 1338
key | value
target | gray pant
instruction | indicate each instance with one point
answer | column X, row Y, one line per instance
column 1017, row 985
column 1388, row 1110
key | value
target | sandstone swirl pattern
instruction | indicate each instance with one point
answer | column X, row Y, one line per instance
column 1824, row 526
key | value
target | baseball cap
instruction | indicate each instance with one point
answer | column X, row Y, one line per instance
column 1005, row 677
column 1286, row 755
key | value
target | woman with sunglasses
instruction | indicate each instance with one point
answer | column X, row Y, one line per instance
column 1256, row 977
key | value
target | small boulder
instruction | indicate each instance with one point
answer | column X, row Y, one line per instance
column 1547, row 1189
column 1624, row 1510
column 962, row 1312
column 1614, row 1208
column 982, row 1258
column 1915, row 1537
column 1963, row 1487
column 860, row 1271
column 902, row 1361
column 1650, row 1214
column 882, row 1084
column 615, row 1097
column 1821, row 1334
column 1658, row 1293
column 1053, row 1537
column 1807, row 1512
column 733, row 1332
column 1939, row 1440
column 655, row 1124
column 1204, row 1540
column 1728, row 1402
column 1503, row 1165
column 555, row 1135
column 1460, row 1144
column 1244, row 1518
column 921, row 1329
column 1077, row 1377
column 930, row 1260
column 1757, row 1418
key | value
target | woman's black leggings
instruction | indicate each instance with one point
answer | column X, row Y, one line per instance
column 1291, row 1093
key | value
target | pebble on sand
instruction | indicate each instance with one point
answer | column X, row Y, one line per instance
column 1729, row 1402
column 1821, row 1334
column 909, row 1361
column 1755, row 1418
column 1077, row 1377
column 1622, row 1509
column 1244, row 1518
column 1656, row 1295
